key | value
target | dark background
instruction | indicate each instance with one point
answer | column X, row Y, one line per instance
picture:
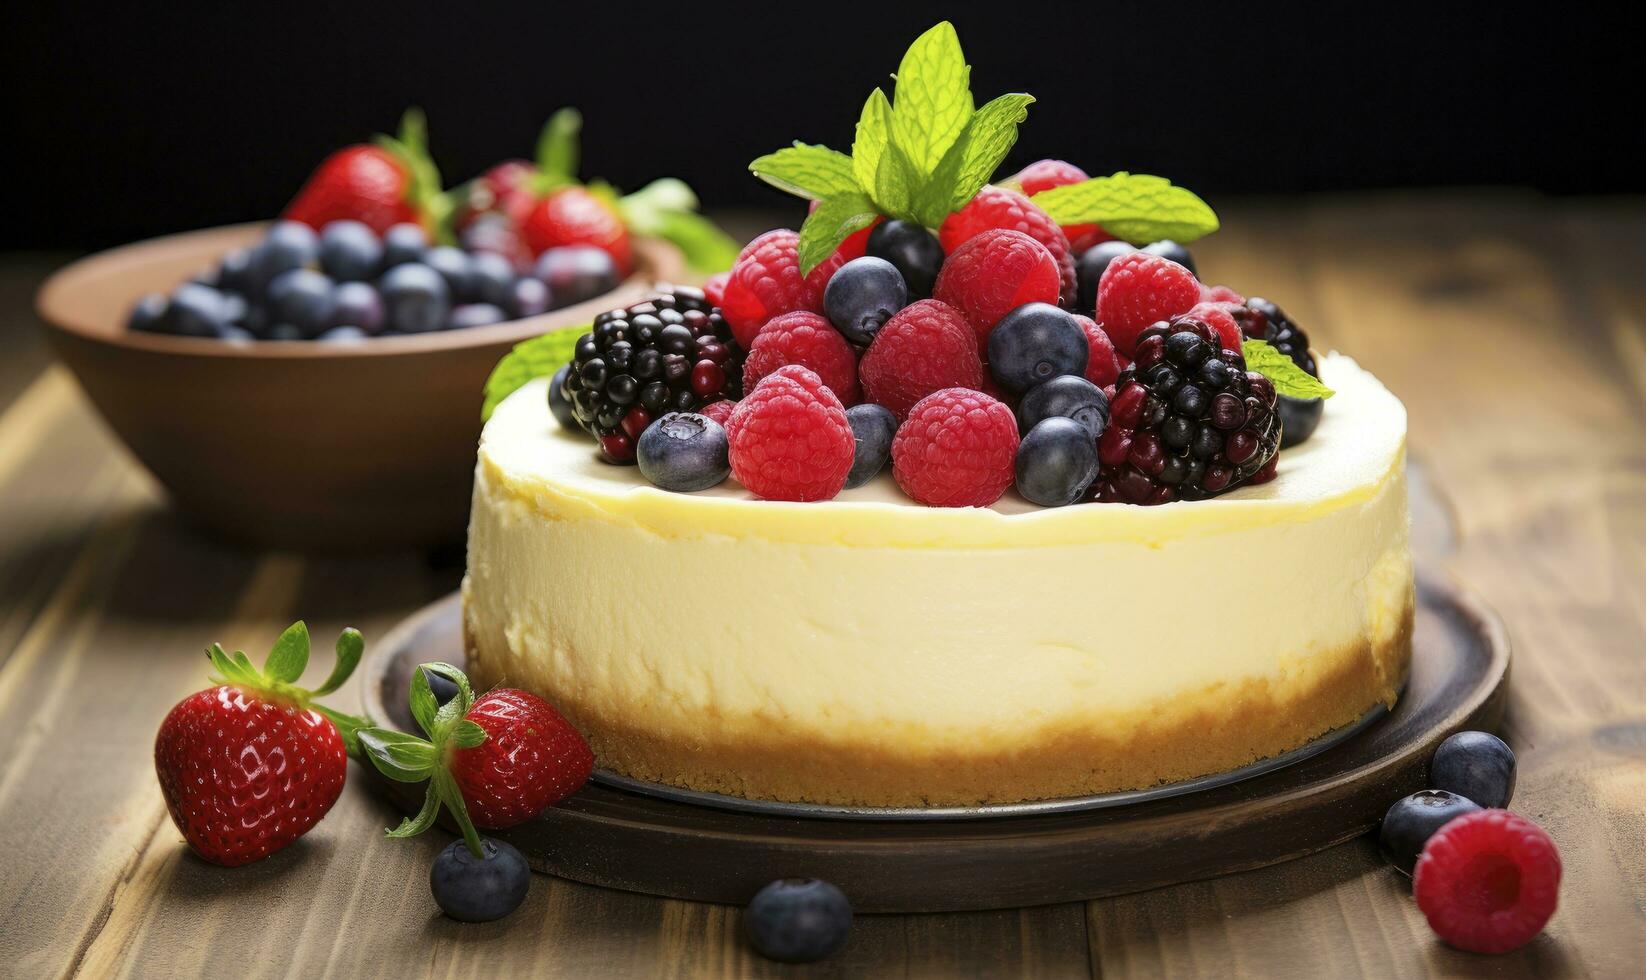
column 123, row 123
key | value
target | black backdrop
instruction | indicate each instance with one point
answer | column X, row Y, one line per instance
column 125, row 122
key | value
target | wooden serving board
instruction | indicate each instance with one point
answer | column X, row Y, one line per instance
column 640, row 843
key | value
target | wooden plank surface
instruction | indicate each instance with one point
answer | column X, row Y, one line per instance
column 1514, row 328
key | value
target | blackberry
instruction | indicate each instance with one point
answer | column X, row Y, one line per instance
column 1260, row 319
column 1187, row 421
column 671, row 353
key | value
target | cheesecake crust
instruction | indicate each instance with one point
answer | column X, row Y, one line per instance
column 1219, row 727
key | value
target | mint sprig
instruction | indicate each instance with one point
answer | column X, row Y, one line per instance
column 408, row 759
column 666, row 208
column 285, row 665
column 530, row 359
column 918, row 156
column 1136, row 207
column 1282, row 371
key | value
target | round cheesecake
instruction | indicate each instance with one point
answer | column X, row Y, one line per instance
column 872, row 651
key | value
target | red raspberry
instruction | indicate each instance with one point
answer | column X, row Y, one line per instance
column 1488, row 881
column 993, row 274
column 714, row 288
column 1043, row 175
column 1000, row 207
column 925, row 347
column 720, row 411
column 810, row 341
column 1219, row 317
column 790, row 439
column 1138, row 290
column 957, row 448
column 1221, row 294
column 766, row 281
column 1103, row 366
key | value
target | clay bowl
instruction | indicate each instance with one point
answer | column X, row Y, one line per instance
column 296, row 445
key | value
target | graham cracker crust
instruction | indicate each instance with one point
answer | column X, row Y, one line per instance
column 1216, row 729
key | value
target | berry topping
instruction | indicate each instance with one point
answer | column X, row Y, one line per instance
column 862, row 296
column 714, row 288
column 1260, row 319
column 1000, row 207
column 994, row 273
column 1412, row 820
column 926, row 347
column 683, row 452
column 766, row 282
column 1220, row 294
column 913, row 250
column 1089, row 270
column 798, row 920
column 559, row 406
column 1187, row 421
column 479, row 889
column 719, row 411
column 1056, row 462
column 1138, row 290
column 1477, row 766
column 1068, row 397
column 790, row 439
column 1221, row 318
column 957, row 448
column 1035, row 343
column 1488, row 881
column 873, row 427
column 1168, row 249
column 1102, row 364
column 808, row 340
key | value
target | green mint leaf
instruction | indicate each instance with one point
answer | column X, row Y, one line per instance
column 557, row 146
column 467, row 734
column 812, row 172
column 422, row 701
column 895, row 184
column 829, row 225
column 1136, row 207
column 290, row 654
column 535, row 358
column 1288, row 378
column 667, row 209
column 974, row 157
column 412, row 826
column 874, row 131
column 401, row 757
column 933, row 97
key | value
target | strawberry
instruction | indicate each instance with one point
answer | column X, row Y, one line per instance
column 252, row 764
column 389, row 182
column 576, row 216
column 505, row 190
column 493, row 761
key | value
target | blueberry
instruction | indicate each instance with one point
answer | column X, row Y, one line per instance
column 913, row 250
column 195, row 311
column 559, row 405
column 575, row 273
column 873, row 426
column 492, row 277
column 350, row 251
column 683, row 452
column 285, row 331
column 1477, row 766
column 455, row 266
column 1056, row 462
column 148, row 314
column 479, row 889
column 234, row 272
column 342, row 335
column 1412, row 821
column 235, row 307
column 1034, row 343
column 1066, row 396
column 1168, row 249
column 288, row 245
column 862, row 295
column 1298, row 418
column 235, row 335
column 527, row 297
column 798, row 920
column 475, row 315
column 302, row 298
column 442, row 687
column 1090, row 269
column 404, row 243
column 415, row 297
column 357, row 304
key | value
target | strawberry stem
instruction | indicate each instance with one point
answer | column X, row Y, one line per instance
column 277, row 681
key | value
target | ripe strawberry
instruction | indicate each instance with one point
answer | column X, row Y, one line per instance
column 390, row 182
column 252, row 764
column 493, row 762
column 505, row 189
column 576, row 216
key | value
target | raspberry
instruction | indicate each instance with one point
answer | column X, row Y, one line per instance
column 1000, row 207
column 789, row 438
column 719, row 411
column 1139, row 289
column 765, row 282
column 1102, row 367
column 1043, row 175
column 1221, row 317
column 958, row 448
column 714, row 287
column 1220, row 294
column 810, row 341
column 1488, row 881
column 994, row 273
column 925, row 347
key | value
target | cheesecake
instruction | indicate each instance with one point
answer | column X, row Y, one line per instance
column 870, row 651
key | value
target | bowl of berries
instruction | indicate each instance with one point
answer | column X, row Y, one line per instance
column 312, row 382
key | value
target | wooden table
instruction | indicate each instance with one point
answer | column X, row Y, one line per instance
column 1515, row 329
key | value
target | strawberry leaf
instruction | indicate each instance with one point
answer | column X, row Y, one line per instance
column 412, row 826
column 667, row 208
column 401, row 757
column 1136, row 207
column 811, row 172
column 974, row 157
column 874, row 129
column 422, row 701
column 1282, row 371
column 290, row 654
column 834, row 220
column 535, row 358
column 933, row 98
column 350, row 647
column 557, row 146
column 348, row 726
column 467, row 734
column 445, row 787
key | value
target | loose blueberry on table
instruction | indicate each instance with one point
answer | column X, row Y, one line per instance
column 798, row 920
